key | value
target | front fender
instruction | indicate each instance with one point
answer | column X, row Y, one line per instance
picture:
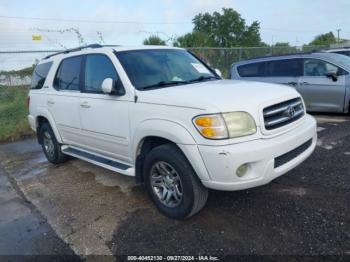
column 161, row 128
column 175, row 133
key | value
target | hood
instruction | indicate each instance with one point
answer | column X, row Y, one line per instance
column 220, row 95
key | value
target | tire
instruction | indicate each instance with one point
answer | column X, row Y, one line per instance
column 51, row 148
column 172, row 184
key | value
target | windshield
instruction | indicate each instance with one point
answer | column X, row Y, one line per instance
column 342, row 59
column 156, row 68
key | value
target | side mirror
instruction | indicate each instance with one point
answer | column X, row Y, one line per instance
column 332, row 75
column 218, row 72
column 109, row 86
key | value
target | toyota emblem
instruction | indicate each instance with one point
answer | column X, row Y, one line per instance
column 290, row 111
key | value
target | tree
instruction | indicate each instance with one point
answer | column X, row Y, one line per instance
column 193, row 39
column 226, row 29
column 324, row 39
column 154, row 40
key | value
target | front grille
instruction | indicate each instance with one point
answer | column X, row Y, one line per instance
column 284, row 113
column 285, row 158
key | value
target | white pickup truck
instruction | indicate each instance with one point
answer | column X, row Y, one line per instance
column 162, row 115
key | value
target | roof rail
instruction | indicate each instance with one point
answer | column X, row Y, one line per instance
column 75, row 50
column 287, row 54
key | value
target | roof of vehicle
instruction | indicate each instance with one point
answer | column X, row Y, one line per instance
column 337, row 49
column 117, row 48
column 332, row 57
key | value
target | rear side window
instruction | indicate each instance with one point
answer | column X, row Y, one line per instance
column 275, row 68
column 97, row 69
column 251, row 70
column 39, row 75
column 68, row 75
column 281, row 68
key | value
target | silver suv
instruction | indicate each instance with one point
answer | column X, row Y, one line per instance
column 341, row 51
column 321, row 78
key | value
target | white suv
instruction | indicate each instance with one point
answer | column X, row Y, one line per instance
column 162, row 115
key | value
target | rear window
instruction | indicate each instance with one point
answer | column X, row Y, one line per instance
column 68, row 75
column 251, row 70
column 275, row 68
column 39, row 75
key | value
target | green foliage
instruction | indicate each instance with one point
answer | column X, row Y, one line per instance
column 154, row 40
column 13, row 113
column 225, row 29
column 193, row 39
column 324, row 39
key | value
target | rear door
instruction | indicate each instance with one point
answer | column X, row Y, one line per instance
column 321, row 93
column 104, row 117
column 283, row 71
column 63, row 104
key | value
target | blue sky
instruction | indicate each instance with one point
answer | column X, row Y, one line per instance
column 295, row 21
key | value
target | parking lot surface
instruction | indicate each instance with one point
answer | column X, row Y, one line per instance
column 79, row 208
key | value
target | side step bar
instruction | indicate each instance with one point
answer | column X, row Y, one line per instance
column 99, row 160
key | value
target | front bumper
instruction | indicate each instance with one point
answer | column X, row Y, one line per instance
column 222, row 161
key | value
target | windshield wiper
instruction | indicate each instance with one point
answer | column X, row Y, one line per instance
column 163, row 84
column 203, row 78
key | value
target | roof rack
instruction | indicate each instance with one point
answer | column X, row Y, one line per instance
column 78, row 49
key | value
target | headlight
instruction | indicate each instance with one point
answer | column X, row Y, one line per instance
column 239, row 124
column 223, row 126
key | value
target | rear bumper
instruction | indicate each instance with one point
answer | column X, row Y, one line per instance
column 222, row 162
column 32, row 122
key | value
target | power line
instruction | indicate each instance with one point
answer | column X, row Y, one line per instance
column 138, row 22
column 90, row 21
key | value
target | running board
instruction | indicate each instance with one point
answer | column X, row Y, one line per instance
column 99, row 160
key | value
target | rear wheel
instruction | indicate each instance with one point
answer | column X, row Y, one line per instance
column 51, row 147
column 172, row 183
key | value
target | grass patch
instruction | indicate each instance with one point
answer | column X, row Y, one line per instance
column 13, row 113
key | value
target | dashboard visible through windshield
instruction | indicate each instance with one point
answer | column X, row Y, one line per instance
column 157, row 68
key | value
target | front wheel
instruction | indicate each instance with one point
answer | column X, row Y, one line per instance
column 172, row 183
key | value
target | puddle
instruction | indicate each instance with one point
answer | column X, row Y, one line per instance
column 34, row 172
column 329, row 146
column 125, row 183
column 106, row 177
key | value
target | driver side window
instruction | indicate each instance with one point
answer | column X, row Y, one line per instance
column 97, row 68
column 316, row 67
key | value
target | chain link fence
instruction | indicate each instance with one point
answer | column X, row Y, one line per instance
column 16, row 68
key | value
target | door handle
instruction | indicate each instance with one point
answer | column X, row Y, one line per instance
column 85, row 105
column 305, row 83
column 292, row 83
column 50, row 102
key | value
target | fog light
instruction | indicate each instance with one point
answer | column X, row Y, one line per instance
column 242, row 170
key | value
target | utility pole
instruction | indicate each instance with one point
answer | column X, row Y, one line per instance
column 338, row 30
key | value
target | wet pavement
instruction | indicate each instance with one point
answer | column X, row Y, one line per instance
column 77, row 207
column 23, row 229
